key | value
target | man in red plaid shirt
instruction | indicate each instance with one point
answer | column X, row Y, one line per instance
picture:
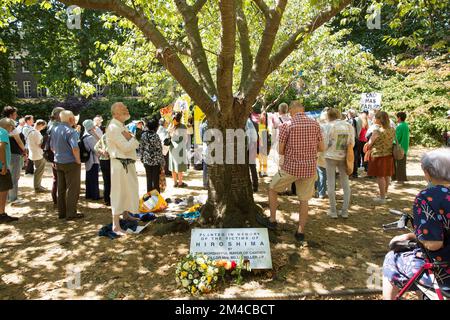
column 300, row 141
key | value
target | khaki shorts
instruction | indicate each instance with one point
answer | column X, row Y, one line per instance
column 283, row 180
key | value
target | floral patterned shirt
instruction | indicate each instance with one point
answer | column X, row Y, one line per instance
column 432, row 219
column 150, row 149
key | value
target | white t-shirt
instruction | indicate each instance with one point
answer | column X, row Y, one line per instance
column 34, row 141
column 338, row 135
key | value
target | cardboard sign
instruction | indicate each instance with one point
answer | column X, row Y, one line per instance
column 166, row 113
column 370, row 101
column 198, row 119
column 231, row 244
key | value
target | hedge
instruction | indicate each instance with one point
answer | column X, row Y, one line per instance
column 87, row 109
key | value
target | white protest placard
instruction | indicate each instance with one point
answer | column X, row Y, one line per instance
column 230, row 244
column 370, row 101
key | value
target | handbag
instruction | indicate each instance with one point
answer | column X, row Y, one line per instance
column 397, row 151
column 350, row 159
column 367, row 152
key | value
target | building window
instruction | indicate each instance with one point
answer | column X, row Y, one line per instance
column 25, row 67
column 27, row 89
column 98, row 90
column 41, row 92
column 15, row 88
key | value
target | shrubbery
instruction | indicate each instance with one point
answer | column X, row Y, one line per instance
column 87, row 109
column 421, row 92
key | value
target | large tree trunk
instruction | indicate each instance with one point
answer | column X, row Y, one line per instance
column 230, row 197
column 230, row 194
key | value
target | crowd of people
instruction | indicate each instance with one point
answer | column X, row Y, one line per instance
column 311, row 154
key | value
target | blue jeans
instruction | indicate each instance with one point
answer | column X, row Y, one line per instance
column 16, row 167
column 321, row 182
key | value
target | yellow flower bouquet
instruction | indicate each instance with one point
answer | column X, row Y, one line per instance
column 197, row 274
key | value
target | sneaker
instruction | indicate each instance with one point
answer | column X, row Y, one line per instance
column 40, row 190
column 4, row 218
column 379, row 200
column 300, row 237
column 332, row 214
column 343, row 214
column 322, row 197
column 17, row 202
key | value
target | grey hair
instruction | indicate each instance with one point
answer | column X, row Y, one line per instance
column 437, row 163
column 7, row 122
column 66, row 115
column 283, row 108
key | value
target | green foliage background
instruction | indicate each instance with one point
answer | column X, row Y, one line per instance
column 87, row 109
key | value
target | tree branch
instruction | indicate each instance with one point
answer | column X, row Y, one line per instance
column 225, row 61
column 298, row 36
column 261, row 64
column 263, row 7
column 198, row 5
column 244, row 43
column 165, row 53
column 274, row 102
column 198, row 54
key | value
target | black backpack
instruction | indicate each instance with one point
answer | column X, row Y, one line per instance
column 85, row 154
column 48, row 153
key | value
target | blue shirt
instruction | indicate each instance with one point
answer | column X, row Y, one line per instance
column 4, row 137
column 63, row 140
column 132, row 127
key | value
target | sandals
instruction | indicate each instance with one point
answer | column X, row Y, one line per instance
column 183, row 185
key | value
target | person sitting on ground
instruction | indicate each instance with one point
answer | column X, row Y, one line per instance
column 150, row 150
column 6, row 127
column 177, row 150
column 300, row 141
column 431, row 210
column 64, row 143
column 36, row 153
column 340, row 135
column 90, row 139
column 381, row 162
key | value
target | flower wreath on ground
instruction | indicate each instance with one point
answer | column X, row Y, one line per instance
column 198, row 274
